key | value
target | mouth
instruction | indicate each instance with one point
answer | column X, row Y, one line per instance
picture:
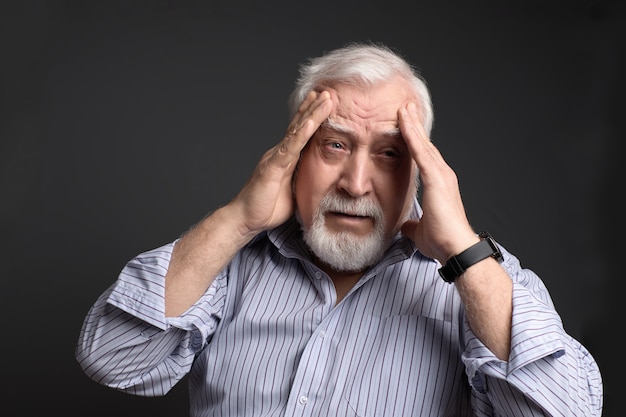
column 347, row 215
column 349, row 222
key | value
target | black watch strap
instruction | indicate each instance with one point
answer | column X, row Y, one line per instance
column 457, row 264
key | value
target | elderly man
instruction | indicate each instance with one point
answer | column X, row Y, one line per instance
column 325, row 288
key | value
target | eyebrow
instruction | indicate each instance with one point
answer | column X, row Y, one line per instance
column 331, row 124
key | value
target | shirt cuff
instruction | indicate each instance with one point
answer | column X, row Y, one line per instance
column 536, row 333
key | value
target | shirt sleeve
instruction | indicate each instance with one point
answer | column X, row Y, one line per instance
column 548, row 373
column 127, row 343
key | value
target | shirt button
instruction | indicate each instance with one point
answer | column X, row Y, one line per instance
column 322, row 334
column 318, row 274
column 303, row 399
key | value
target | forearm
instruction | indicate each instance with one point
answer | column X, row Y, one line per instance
column 265, row 201
column 199, row 256
column 486, row 291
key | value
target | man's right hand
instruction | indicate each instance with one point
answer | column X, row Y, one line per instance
column 266, row 200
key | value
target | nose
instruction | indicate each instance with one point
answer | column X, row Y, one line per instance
column 356, row 175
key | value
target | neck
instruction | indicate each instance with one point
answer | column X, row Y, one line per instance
column 344, row 281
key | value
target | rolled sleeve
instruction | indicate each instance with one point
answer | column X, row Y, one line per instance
column 542, row 359
column 140, row 291
column 140, row 288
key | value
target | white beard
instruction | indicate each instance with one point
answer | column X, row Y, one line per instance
column 346, row 251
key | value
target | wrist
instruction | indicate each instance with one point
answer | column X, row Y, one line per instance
column 456, row 265
column 459, row 246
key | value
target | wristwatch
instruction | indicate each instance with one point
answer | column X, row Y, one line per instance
column 457, row 264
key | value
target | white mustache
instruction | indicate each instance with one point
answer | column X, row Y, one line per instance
column 354, row 207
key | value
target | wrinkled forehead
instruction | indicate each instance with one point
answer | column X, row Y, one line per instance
column 370, row 107
column 366, row 97
column 333, row 123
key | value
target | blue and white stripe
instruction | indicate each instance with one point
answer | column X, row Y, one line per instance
column 268, row 340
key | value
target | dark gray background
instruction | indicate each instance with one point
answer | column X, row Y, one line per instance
column 123, row 123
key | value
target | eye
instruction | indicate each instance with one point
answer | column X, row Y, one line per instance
column 334, row 145
column 391, row 153
column 391, row 157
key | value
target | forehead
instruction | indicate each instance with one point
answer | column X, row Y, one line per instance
column 389, row 130
column 375, row 103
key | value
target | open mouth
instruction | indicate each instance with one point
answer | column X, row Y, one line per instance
column 348, row 215
column 348, row 220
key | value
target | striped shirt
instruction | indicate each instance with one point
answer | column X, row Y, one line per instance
column 268, row 339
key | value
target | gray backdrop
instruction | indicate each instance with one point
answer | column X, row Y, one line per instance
column 122, row 125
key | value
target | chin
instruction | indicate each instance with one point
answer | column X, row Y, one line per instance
column 345, row 251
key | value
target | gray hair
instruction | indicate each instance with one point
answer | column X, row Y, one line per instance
column 357, row 63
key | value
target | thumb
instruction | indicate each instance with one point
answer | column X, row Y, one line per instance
column 409, row 228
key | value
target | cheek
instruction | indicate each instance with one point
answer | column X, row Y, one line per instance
column 398, row 192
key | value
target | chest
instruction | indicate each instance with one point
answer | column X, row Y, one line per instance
column 284, row 339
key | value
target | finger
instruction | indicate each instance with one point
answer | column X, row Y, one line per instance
column 301, row 113
column 311, row 119
column 412, row 127
column 409, row 228
column 318, row 110
column 299, row 132
column 311, row 102
column 310, row 98
column 422, row 149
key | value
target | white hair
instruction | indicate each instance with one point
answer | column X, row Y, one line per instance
column 359, row 63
